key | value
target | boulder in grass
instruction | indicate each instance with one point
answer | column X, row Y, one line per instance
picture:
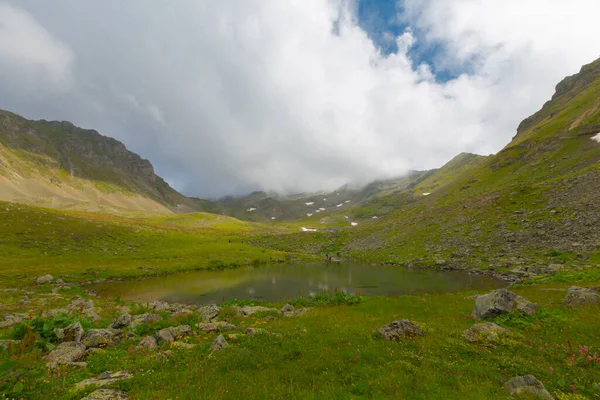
column 122, row 321
column 147, row 342
column 401, row 329
column 104, row 379
column 216, row 326
column 72, row 333
column 107, row 394
column 219, row 343
column 42, row 280
column 97, row 337
column 484, row 332
column 209, row 312
column 66, row 352
column 500, row 302
column 527, row 385
column 578, row 296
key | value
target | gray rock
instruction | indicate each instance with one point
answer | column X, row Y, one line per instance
column 42, row 280
column 287, row 308
column 216, row 326
column 250, row 310
column 159, row 306
column 210, row 312
column 90, row 313
column 527, row 384
column 183, row 345
column 8, row 343
column 164, row 335
column 72, row 333
column 97, row 337
column 107, row 394
column 79, row 304
column 122, row 321
column 295, row 313
column 146, row 318
column 147, row 342
column 12, row 319
column 484, row 332
column 104, row 379
column 219, row 343
column 578, row 296
column 499, row 302
column 402, row 329
column 173, row 333
column 66, row 352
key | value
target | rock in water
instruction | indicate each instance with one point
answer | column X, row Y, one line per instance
column 107, row 394
column 578, row 296
column 219, row 343
column 122, row 321
column 499, row 302
column 527, row 384
column 72, row 333
column 65, row 353
column 42, row 280
column 402, row 329
column 485, row 332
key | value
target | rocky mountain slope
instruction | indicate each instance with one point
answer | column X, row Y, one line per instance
column 57, row 164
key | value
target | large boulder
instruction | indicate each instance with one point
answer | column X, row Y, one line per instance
column 216, row 326
column 485, row 332
column 527, row 385
column 219, row 343
column 106, row 394
column 147, row 342
column 499, row 302
column 104, row 379
column 578, row 296
column 65, row 353
column 97, row 337
column 287, row 308
column 401, row 329
column 42, row 280
column 146, row 318
column 122, row 321
column 209, row 312
column 159, row 306
column 173, row 333
column 72, row 333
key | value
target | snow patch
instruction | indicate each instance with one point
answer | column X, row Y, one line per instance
column 375, row 217
column 347, row 201
column 310, row 203
column 322, row 209
column 308, row 229
column 339, row 205
column 251, row 209
column 317, row 211
column 426, row 194
column 596, row 138
column 272, row 217
column 309, row 215
column 345, row 216
column 353, row 223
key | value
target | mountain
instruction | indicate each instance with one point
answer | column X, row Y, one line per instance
column 57, row 164
column 536, row 201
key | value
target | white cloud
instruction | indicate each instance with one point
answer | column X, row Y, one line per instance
column 235, row 96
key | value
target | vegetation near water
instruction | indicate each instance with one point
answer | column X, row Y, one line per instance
column 529, row 214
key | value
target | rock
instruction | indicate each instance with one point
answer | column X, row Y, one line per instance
column 287, row 308
column 42, row 280
column 578, row 296
column 107, row 394
column 249, row 310
column 147, row 342
column 401, row 329
column 256, row 331
column 66, row 352
column 90, row 313
column 527, row 384
column 219, row 343
column 499, row 302
column 122, row 321
column 217, row 326
column 484, row 332
column 79, row 304
column 12, row 319
column 54, row 312
column 183, row 345
column 163, row 355
column 104, row 379
column 210, row 312
column 159, row 306
column 146, row 318
column 97, row 337
column 295, row 313
column 173, row 333
column 77, row 364
column 72, row 333
column 60, row 282
column 184, row 312
column 7, row 344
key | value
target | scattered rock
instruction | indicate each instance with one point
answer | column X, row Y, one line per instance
column 250, row 310
column 401, row 329
column 216, row 326
column 164, row 335
column 42, row 280
column 107, row 394
column 183, row 345
column 90, row 313
column 12, row 319
column 122, row 321
column 72, row 333
column 159, row 306
column 163, row 355
column 104, row 379
column 77, row 364
column 146, row 318
column 295, row 313
column 484, row 332
column 527, row 384
column 173, row 333
column 66, row 352
column 7, row 344
column 578, row 296
column 287, row 308
column 209, row 312
column 499, row 302
column 97, row 337
column 79, row 304
column 219, row 343
column 147, row 342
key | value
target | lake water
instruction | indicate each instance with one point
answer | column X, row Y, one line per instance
column 288, row 281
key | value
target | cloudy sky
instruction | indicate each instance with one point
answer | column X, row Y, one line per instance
column 232, row 96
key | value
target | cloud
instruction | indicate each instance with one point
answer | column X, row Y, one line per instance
column 227, row 97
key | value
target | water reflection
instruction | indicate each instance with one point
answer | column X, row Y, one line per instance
column 275, row 283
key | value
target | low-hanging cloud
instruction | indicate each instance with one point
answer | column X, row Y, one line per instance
column 232, row 96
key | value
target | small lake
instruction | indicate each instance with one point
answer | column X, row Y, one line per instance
column 289, row 281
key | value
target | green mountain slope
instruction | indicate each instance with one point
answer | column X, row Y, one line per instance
column 56, row 164
column 536, row 201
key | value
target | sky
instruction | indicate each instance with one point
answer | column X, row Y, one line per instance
column 229, row 97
